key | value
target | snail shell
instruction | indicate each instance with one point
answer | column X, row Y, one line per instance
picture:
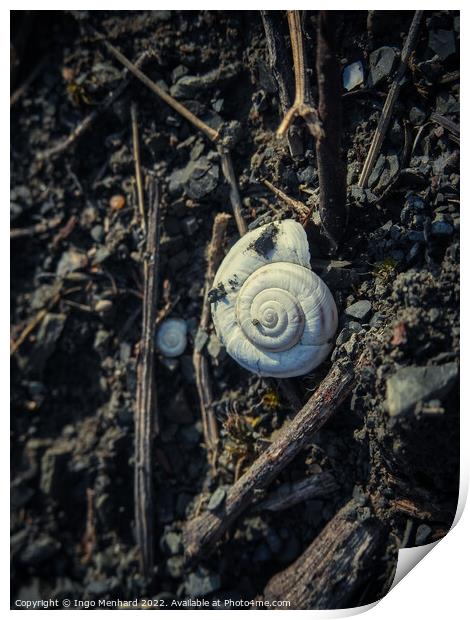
column 172, row 337
column 273, row 314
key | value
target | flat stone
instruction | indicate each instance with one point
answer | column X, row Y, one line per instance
column 442, row 225
column 422, row 534
column 200, row 583
column 382, row 61
column 359, row 310
column 353, row 75
column 442, row 43
column 408, row 386
column 171, row 543
column 217, row 499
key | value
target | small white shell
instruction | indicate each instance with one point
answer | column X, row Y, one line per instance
column 275, row 316
column 172, row 337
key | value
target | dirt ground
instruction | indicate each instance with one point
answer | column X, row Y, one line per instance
column 76, row 296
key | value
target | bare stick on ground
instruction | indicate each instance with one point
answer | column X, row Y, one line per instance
column 201, row 365
column 296, row 205
column 280, row 65
column 344, row 554
column 137, row 164
column 386, row 116
column 202, row 533
column 89, row 120
column 331, row 168
column 302, row 105
column 146, row 421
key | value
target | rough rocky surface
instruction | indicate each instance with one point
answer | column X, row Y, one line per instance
column 77, row 288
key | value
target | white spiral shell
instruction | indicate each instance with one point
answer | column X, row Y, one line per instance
column 172, row 337
column 273, row 314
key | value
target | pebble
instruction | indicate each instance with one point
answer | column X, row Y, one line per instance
column 217, row 499
column 97, row 233
column 382, row 61
column 104, row 306
column 417, row 116
column 359, row 310
column 171, row 542
column 72, row 260
column 190, row 225
column 442, row 43
column 442, row 225
column 201, row 582
column 422, row 534
column 408, row 386
column 353, row 75
column 117, row 202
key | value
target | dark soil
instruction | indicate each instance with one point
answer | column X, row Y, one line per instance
column 78, row 286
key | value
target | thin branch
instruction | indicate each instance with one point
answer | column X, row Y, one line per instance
column 202, row 533
column 296, row 205
column 302, row 105
column 200, row 362
column 146, row 421
column 331, row 168
column 137, row 164
column 36, row 229
column 380, row 132
column 89, row 120
column 168, row 99
column 235, row 200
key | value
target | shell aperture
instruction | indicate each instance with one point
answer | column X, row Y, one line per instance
column 273, row 314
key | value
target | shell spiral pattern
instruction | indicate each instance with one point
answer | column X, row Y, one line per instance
column 274, row 315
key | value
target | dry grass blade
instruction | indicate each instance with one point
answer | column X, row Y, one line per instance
column 146, row 421
column 137, row 164
column 302, row 105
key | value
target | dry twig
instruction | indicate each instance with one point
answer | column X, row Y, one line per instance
column 380, row 132
column 201, row 365
column 302, row 105
column 296, row 205
column 146, row 421
column 202, row 533
column 137, row 164
column 331, row 168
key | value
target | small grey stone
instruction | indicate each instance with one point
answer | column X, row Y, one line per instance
column 201, row 338
column 171, row 543
column 446, row 104
column 353, row 75
column 72, row 260
column 354, row 326
column 442, row 43
column 214, row 346
column 190, row 225
column 175, row 565
column 382, row 61
column 201, row 582
column 97, row 233
column 442, row 225
column 422, row 534
column 417, row 116
column 217, row 499
column 408, row 386
column 359, row 310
